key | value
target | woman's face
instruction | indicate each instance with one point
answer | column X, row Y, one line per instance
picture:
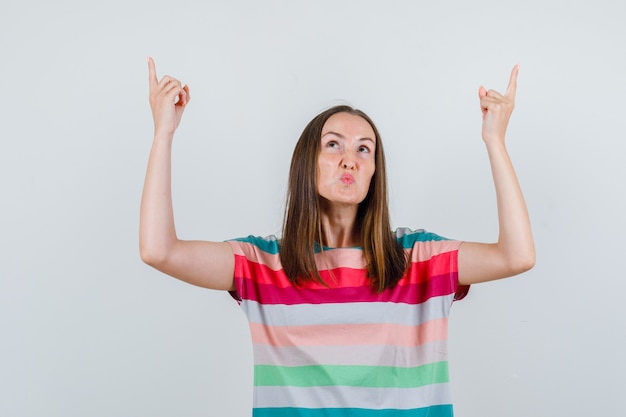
column 346, row 162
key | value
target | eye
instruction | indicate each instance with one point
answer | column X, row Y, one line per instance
column 332, row 144
column 364, row 149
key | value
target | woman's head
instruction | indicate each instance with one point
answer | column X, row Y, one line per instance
column 302, row 229
column 312, row 167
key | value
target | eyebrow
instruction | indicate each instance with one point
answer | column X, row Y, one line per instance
column 366, row 138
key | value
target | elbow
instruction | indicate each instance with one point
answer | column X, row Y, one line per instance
column 152, row 256
column 148, row 257
column 524, row 262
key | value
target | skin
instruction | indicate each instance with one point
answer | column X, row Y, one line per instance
column 344, row 141
column 345, row 167
column 514, row 252
column 202, row 263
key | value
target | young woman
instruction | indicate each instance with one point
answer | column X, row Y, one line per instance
column 347, row 317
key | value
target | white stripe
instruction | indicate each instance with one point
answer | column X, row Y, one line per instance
column 353, row 397
column 347, row 313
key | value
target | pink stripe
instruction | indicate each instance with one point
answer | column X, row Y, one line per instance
column 350, row 334
column 423, row 251
column 340, row 277
column 349, row 257
column 410, row 293
column 345, row 277
column 344, row 257
column 441, row 264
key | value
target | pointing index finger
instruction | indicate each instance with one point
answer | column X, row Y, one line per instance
column 512, row 87
column 152, row 78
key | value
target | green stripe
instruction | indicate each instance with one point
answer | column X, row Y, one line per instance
column 352, row 376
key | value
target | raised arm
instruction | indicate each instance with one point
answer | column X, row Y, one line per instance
column 206, row 264
column 514, row 252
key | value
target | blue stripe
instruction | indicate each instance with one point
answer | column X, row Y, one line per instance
column 407, row 237
column 266, row 244
column 433, row 411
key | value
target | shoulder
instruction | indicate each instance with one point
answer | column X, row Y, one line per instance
column 426, row 242
column 408, row 237
column 254, row 246
column 431, row 252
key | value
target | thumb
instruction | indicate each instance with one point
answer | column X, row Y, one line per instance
column 482, row 93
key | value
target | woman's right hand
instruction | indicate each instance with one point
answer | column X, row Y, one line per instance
column 202, row 263
column 168, row 99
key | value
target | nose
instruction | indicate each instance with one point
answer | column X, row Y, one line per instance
column 347, row 162
column 347, row 159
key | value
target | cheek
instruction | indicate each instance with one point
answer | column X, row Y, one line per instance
column 370, row 185
column 371, row 169
column 323, row 168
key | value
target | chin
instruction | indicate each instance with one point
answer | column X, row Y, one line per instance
column 344, row 201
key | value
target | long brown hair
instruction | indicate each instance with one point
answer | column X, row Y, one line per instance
column 302, row 227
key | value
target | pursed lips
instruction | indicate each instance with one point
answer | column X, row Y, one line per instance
column 347, row 179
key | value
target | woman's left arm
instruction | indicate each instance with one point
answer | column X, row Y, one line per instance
column 514, row 252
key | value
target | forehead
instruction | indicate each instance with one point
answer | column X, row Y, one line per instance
column 349, row 125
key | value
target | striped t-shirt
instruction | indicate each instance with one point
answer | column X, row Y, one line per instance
column 343, row 350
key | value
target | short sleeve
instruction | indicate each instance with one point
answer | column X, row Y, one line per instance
column 250, row 253
column 436, row 259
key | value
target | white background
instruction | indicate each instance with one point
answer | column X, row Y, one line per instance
column 86, row 329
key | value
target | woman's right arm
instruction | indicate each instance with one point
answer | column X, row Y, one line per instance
column 206, row 264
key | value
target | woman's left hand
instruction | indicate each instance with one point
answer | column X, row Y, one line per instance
column 514, row 252
column 497, row 109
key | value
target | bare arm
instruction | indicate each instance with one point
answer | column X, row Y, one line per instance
column 514, row 252
column 206, row 264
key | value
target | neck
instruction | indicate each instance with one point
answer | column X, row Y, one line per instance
column 339, row 226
